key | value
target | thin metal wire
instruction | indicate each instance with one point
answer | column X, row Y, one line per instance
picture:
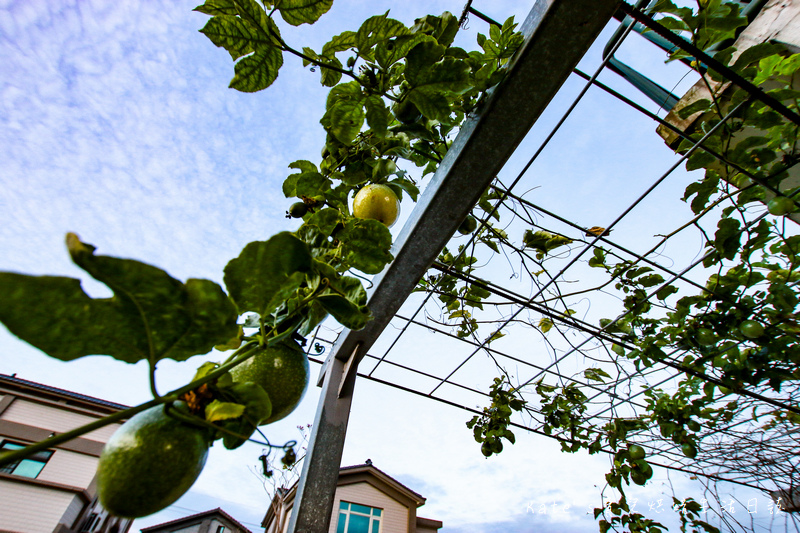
column 594, row 333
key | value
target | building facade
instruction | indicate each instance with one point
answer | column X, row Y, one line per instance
column 367, row 501
column 52, row 491
column 213, row 521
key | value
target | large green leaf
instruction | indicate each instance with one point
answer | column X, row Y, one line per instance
column 252, row 36
column 151, row 315
column 365, row 245
column 432, row 104
column 344, row 120
column 390, row 51
column 378, row 116
column 339, row 43
column 449, row 74
column 231, row 33
column 376, row 29
column 257, row 71
column 297, row 12
column 260, row 271
column 420, row 59
column 344, row 311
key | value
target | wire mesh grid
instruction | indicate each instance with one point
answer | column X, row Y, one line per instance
column 541, row 317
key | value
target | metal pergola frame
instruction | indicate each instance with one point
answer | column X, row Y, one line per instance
column 557, row 35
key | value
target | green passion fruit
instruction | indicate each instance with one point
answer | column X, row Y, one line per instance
column 406, row 112
column 780, row 205
column 751, row 329
column 468, row 225
column 282, row 371
column 150, row 462
column 298, row 210
column 636, row 452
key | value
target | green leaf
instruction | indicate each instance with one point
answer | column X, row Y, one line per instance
column 345, row 312
column 596, row 374
column 257, row 408
column 376, row 29
column 727, row 237
column 755, row 54
column 434, row 105
column 218, row 410
column 257, row 71
column 421, row 58
column 390, row 51
column 314, row 315
column 231, row 33
column 326, row 220
column 304, row 165
column 407, row 185
column 695, row 107
column 311, row 184
column 344, row 41
column 151, row 316
column 544, row 241
column 345, row 112
column 545, row 324
column 254, row 278
column 217, row 7
column 330, row 76
column 344, row 121
column 378, row 116
column 297, row 12
column 365, row 245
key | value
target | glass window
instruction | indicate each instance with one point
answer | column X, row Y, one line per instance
column 31, row 466
column 355, row 518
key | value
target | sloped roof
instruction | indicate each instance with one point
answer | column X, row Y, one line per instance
column 218, row 512
column 24, row 383
column 355, row 471
column 369, row 466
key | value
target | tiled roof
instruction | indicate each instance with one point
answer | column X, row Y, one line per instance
column 62, row 392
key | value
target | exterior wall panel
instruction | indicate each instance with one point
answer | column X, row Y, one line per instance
column 394, row 518
column 54, row 419
column 49, row 505
column 72, row 512
column 69, row 468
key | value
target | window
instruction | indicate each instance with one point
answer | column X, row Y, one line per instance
column 28, row 467
column 220, row 529
column 355, row 518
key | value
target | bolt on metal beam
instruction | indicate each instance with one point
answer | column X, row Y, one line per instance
column 557, row 35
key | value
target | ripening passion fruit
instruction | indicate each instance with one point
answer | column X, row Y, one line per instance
column 150, row 462
column 377, row 202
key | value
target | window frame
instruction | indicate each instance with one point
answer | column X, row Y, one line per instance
column 375, row 516
column 41, row 458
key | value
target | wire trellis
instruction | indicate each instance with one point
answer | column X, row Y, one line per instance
column 552, row 286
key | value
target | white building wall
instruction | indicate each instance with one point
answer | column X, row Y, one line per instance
column 69, row 468
column 394, row 518
column 53, row 418
column 190, row 529
column 49, row 504
column 72, row 512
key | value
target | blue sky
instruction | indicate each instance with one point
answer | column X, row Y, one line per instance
column 116, row 123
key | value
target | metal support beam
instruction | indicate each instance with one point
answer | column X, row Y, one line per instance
column 557, row 35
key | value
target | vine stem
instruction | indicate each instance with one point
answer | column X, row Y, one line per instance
column 245, row 352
